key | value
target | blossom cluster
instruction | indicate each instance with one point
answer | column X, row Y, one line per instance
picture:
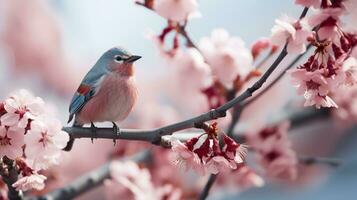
column 332, row 64
column 137, row 181
column 30, row 137
column 274, row 152
column 204, row 155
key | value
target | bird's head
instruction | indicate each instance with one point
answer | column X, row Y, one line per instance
column 120, row 61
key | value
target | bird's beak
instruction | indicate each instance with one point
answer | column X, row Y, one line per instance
column 133, row 58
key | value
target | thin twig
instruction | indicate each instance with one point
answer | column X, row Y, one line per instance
column 204, row 194
column 89, row 180
column 312, row 160
column 270, row 85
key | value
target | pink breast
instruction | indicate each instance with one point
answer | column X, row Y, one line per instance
column 113, row 101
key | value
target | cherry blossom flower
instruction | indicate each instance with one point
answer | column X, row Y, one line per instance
column 34, row 181
column 274, row 151
column 261, row 45
column 328, row 19
column 313, row 86
column 190, row 66
column 227, row 56
column 176, row 10
column 294, row 32
column 138, row 182
column 44, row 142
column 247, row 178
column 32, row 41
column 203, row 153
column 186, row 158
column 346, row 97
column 11, row 141
column 21, row 107
column 350, row 69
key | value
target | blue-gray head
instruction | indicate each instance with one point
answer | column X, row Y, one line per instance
column 120, row 61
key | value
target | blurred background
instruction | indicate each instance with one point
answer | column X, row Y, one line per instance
column 48, row 46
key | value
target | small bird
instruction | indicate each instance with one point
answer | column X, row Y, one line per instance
column 107, row 92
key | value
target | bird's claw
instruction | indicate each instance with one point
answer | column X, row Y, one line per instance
column 94, row 131
column 116, row 130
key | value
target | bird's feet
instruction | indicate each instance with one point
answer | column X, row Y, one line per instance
column 116, row 131
column 94, row 131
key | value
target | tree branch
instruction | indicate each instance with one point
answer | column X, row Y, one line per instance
column 154, row 135
column 89, row 180
column 204, row 194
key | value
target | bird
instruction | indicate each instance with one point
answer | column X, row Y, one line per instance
column 107, row 92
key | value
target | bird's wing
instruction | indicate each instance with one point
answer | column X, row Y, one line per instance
column 86, row 90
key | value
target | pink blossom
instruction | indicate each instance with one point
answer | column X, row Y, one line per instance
column 189, row 74
column 129, row 175
column 189, row 65
column 34, row 181
column 274, row 151
column 11, row 141
column 233, row 150
column 185, row 158
column 31, row 37
column 328, row 19
column 280, row 161
column 227, row 56
column 21, row 107
column 219, row 163
column 138, row 182
column 44, row 142
column 346, row 97
column 350, row 69
column 314, row 86
column 204, row 154
column 309, row 3
column 246, row 178
column 260, row 45
column 176, row 10
column 294, row 32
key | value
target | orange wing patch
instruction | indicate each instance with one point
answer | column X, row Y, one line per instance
column 83, row 89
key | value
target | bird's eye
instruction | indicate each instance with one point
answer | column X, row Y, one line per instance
column 118, row 59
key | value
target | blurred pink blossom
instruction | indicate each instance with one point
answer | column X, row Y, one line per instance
column 32, row 41
column 138, row 182
column 260, row 45
column 190, row 67
column 350, row 68
column 294, row 32
column 227, row 56
column 247, row 178
column 34, row 181
column 176, row 10
column 274, row 151
column 346, row 97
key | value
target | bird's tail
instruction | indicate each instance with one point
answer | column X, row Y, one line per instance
column 71, row 139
